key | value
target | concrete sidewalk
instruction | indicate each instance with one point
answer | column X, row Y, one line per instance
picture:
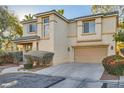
column 15, row 69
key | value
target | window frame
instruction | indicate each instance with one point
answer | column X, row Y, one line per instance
column 45, row 24
column 89, row 28
column 30, row 26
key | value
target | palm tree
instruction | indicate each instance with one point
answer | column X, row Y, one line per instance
column 60, row 11
column 28, row 17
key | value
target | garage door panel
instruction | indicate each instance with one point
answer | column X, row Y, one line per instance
column 90, row 54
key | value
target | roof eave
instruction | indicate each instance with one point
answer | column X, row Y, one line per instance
column 77, row 19
column 29, row 21
column 28, row 40
column 52, row 12
column 93, row 16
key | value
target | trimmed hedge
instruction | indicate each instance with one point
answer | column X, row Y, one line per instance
column 5, row 57
column 18, row 56
column 1, row 62
column 39, row 57
column 28, row 66
column 114, row 65
column 10, row 57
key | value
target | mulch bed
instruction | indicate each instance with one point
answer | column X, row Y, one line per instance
column 106, row 76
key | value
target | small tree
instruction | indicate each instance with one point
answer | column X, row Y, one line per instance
column 10, row 26
column 119, row 36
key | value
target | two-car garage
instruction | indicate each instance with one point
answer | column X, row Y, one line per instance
column 90, row 54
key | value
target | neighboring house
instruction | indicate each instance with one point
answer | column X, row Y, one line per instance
column 86, row 39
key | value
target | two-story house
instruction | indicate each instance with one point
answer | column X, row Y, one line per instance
column 86, row 39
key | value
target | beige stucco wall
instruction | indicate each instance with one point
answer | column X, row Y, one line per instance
column 34, row 45
column 60, row 41
column 109, row 24
column 25, row 29
column 108, row 39
column 63, row 35
column 72, row 32
column 46, row 44
column 105, row 29
column 109, row 28
column 72, row 39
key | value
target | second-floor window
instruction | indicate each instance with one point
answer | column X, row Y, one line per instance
column 89, row 27
column 32, row 27
column 45, row 31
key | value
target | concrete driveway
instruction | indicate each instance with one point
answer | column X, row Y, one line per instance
column 76, row 74
column 75, row 70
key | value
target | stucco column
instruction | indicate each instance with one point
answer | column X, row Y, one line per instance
column 98, row 27
column 71, row 54
column 79, row 29
column 39, row 26
column 34, row 45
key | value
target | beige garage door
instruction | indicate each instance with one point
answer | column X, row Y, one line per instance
column 90, row 54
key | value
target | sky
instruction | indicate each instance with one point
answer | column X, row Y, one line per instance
column 70, row 11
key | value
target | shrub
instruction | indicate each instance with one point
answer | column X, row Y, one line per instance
column 2, row 52
column 1, row 62
column 17, row 56
column 39, row 57
column 114, row 64
column 10, row 57
column 28, row 66
column 122, row 50
column 6, row 58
